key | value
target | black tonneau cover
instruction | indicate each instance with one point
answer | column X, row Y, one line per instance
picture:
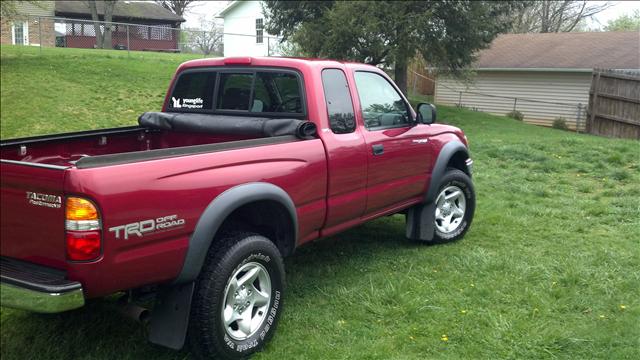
column 226, row 124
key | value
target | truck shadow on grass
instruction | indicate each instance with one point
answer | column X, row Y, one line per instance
column 100, row 331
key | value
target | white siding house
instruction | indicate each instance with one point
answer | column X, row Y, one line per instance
column 244, row 33
column 544, row 76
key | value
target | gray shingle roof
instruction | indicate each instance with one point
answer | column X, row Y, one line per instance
column 121, row 10
column 611, row 50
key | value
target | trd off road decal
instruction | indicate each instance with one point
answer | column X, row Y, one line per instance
column 151, row 226
column 46, row 200
column 196, row 103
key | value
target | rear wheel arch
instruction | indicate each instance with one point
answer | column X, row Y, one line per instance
column 260, row 207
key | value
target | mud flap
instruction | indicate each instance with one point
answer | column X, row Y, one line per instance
column 170, row 316
column 421, row 222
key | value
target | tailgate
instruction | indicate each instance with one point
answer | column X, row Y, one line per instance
column 32, row 213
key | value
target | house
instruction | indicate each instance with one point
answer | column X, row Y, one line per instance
column 543, row 76
column 30, row 22
column 244, row 33
column 156, row 30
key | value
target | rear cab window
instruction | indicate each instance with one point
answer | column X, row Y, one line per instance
column 249, row 92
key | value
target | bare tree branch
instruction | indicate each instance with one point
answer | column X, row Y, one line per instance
column 207, row 39
column 178, row 7
column 555, row 16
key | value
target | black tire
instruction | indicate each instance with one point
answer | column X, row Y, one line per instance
column 208, row 335
column 456, row 178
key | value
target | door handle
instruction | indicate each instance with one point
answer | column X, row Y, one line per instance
column 378, row 149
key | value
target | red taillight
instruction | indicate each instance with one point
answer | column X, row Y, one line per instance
column 83, row 245
column 83, row 225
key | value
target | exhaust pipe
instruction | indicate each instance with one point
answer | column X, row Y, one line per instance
column 135, row 312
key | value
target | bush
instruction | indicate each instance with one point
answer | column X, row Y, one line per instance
column 516, row 115
column 560, row 123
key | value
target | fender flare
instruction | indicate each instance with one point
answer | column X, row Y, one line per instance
column 421, row 218
column 446, row 153
column 170, row 316
column 217, row 212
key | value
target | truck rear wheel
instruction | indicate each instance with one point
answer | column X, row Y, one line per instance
column 238, row 297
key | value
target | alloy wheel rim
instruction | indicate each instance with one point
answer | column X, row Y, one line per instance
column 450, row 209
column 246, row 299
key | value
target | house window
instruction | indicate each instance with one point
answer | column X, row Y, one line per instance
column 259, row 31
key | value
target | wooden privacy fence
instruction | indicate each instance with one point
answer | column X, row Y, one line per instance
column 614, row 104
column 420, row 80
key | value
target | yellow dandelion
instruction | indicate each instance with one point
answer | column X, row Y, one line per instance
column 341, row 322
column 622, row 306
column 444, row 337
column 463, row 311
column 473, row 285
column 601, row 316
column 412, row 338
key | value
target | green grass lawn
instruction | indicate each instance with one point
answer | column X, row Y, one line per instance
column 549, row 269
column 80, row 89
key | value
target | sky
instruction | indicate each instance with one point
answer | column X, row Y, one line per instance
column 618, row 9
column 210, row 8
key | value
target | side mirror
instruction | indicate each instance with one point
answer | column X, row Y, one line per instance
column 426, row 113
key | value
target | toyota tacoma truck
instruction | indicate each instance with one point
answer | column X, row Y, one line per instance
column 196, row 207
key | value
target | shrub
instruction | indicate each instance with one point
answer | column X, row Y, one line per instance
column 560, row 123
column 516, row 115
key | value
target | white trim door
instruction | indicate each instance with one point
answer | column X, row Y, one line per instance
column 20, row 33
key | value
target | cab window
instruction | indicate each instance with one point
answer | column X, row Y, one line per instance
column 382, row 106
column 339, row 105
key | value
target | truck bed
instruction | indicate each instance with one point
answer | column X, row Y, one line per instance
column 68, row 149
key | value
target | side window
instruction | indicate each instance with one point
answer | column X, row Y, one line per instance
column 193, row 90
column 382, row 106
column 338, row 98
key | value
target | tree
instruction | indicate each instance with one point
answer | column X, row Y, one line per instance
column 207, row 39
column 389, row 33
column 625, row 22
column 547, row 16
column 103, row 39
column 8, row 8
column 178, row 7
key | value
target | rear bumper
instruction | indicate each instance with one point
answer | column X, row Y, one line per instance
column 36, row 288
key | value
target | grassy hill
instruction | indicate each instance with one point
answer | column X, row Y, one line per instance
column 549, row 269
column 79, row 89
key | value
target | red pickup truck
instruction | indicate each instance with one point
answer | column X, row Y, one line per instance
column 197, row 206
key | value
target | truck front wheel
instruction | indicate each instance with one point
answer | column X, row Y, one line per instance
column 238, row 297
column 454, row 206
